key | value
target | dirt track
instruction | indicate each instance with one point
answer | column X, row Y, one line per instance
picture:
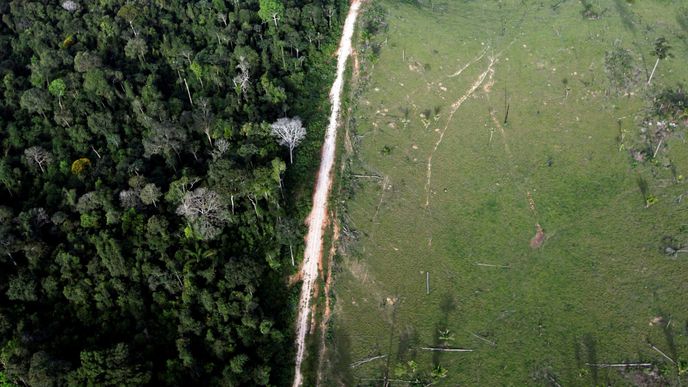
column 317, row 220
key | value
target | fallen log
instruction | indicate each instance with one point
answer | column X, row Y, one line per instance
column 662, row 353
column 436, row 349
column 492, row 343
column 368, row 360
column 619, row 365
column 491, row 265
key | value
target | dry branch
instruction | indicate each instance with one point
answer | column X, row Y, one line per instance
column 427, row 282
column 367, row 176
column 619, row 365
column 492, row 343
column 385, row 183
column 662, row 353
column 436, row 349
column 368, row 360
column 491, row 265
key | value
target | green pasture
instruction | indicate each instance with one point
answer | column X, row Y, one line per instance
column 601, row 288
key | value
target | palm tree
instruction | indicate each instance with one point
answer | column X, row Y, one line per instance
column 661, row 51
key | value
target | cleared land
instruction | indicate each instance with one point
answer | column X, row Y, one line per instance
column 544, row 242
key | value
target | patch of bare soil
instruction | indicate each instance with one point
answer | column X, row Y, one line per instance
column 539, row 237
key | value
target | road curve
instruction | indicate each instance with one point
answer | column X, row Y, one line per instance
column 317, row 220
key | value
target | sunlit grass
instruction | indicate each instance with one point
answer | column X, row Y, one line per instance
column 594, row 290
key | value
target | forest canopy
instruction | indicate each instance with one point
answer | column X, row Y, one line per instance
column 147, row 212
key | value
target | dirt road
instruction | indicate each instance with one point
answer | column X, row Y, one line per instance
column 317, row 220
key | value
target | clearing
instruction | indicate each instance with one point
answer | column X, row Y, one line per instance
column 494, row 203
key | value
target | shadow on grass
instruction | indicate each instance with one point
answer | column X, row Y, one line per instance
column 626, row 15
column 590, row 346
column 447, row 306
column 408, row 342
column 669, row 338
column 339, row 360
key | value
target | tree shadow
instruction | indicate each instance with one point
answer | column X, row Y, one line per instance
column 590, row 346
column 670, row 340
column 626, row 15
column 682, row 20
column 408, row 341
column 339, row 359
column 447, row 306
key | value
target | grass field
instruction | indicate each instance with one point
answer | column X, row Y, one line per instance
column 599, row 289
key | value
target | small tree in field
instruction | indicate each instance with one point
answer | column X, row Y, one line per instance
column 290, row 132
column 661, row 51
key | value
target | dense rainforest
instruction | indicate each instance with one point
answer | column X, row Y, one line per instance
column 148, row 216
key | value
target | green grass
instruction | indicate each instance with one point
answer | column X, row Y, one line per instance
column 589, row 293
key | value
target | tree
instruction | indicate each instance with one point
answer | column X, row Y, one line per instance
column 111, row 367
column 290, row 132
column 35, row 101
column 22, row 287
column 620, row 68
column 130, row 13
column 150, row 193
column 95, row 83
column 129, row 198
column 38, row 156
column 79, row 165
column 661, row 51
column 136, row 48
column 164, row 138
column 57, row 88
column 85, row 61
column 204, row 118
column 90, row 201
column 271, row 10
column 9, row 177
column 241, row 80
column 110, row 254
column 70, row 5
column 205, row 212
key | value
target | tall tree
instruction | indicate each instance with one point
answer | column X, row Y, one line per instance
column 271, row 11
column 205, row 211
column 289, row 132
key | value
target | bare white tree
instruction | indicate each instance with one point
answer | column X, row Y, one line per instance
column 223, row 18
column 129, row 198
column 38, row 156
column 205, row 211
column 242, row 79
column 164, row 138
column 70, row 5
column 290, row 133
column 221, row 147
column 204, row 118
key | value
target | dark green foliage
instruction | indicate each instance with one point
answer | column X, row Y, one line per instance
column 620, row 68
column 144, row 230
column 671, row 103
column 661, row 49
column 589, row 11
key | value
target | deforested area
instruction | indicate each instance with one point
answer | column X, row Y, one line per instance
column 513, row 206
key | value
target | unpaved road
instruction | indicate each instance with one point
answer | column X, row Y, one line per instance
column 317, row 220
